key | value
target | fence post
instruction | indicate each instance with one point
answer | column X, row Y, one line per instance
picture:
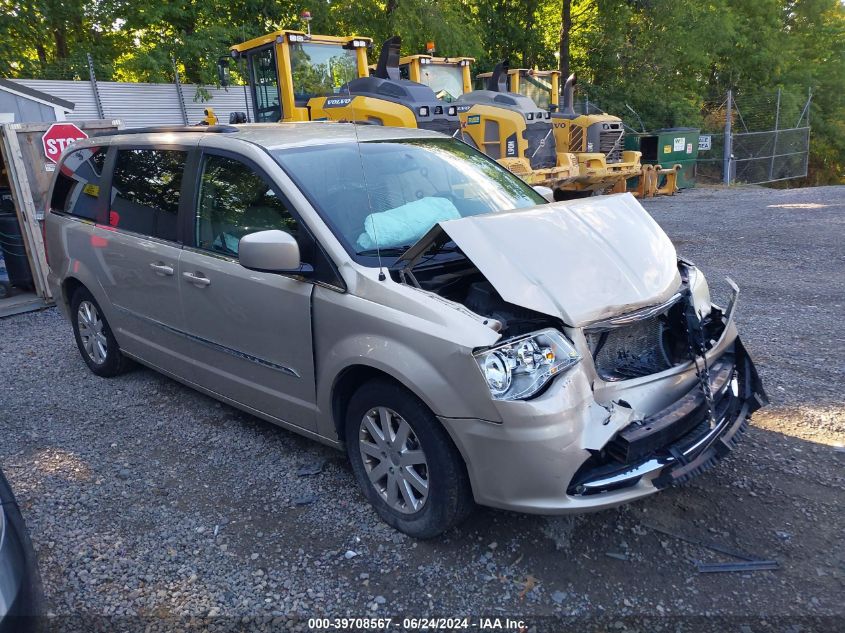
column 100, row 113
column 726, row 160
column 809, row 103
column 179, row 92
column 775, row 141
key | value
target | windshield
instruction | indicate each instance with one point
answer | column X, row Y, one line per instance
column 539, row 89
column 320, row 69
column 404, row 189
column 446, row 80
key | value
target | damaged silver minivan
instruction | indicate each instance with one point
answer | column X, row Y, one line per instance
column 396, row 293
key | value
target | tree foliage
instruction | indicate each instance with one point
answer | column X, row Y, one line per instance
column 671, row 61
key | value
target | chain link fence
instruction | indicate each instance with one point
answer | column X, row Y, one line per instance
column 768, row 135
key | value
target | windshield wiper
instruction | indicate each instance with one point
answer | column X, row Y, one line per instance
column 390, row 251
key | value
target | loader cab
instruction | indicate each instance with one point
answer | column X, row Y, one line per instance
column 295, row 76
column 286, row 69
column 508, row 126
column 541, row 86
column 448, row 77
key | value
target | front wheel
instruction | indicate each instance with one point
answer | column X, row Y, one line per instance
column 406, row 464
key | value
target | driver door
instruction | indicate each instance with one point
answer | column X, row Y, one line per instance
column 250, row 331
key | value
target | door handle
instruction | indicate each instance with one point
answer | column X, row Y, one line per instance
column 197, row 279
column 162, row 269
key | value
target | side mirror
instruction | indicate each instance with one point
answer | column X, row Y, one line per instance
column 223, row 71
column 269, row 251
column 546, row 192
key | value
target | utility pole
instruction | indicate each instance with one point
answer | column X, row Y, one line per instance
column 726, row 161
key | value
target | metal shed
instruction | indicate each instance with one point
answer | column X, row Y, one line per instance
column 21, row 103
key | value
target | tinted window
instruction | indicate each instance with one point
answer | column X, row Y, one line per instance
column 145, row 191
column 78, row 183
column 235, row 201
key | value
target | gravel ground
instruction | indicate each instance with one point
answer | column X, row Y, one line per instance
column 145, row 498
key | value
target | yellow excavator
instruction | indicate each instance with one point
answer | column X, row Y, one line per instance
column 506, row 126
column 298, row 76
column 597, row 139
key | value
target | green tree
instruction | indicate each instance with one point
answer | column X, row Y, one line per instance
column 50, row 38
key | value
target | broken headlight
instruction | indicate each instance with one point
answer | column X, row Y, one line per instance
column 699, row 292
column 519, row 368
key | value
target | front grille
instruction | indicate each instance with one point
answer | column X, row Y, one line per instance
column 611, row 143
column 541, row 145
column 632, row 351
column 650, row 344
column 443, row 125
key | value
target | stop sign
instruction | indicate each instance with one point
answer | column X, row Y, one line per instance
column 59, row 136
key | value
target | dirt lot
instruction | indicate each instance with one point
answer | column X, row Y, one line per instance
column 145, row 498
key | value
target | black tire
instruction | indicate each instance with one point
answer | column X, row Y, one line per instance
column 114, row 363
column 449, row 499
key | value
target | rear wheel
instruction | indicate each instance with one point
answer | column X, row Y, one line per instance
column 94, row 337
column 405, row 462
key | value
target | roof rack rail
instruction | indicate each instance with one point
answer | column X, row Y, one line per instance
column 159, row 129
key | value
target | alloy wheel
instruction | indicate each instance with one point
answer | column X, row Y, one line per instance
column 394, row 460
column 91, row 333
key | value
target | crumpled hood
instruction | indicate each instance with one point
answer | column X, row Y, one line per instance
column 582, row 260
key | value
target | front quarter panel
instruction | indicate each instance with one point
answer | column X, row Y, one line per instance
column 425, row 346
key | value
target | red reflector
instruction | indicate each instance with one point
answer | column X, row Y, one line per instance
column 114, row 218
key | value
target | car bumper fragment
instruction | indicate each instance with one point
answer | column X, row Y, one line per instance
column 680, row 442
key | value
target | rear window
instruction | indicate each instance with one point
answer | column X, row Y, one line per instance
column 145, row 191
column 78, row 183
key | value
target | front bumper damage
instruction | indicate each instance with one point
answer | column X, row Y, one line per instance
column 681, row 441
column 583, row 445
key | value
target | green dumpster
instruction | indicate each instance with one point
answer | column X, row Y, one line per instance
column 667, row 147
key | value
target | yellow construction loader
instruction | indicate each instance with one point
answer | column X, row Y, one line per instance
column 297, row 76
column 449, row 77
column 506, row 126
column 597, row 139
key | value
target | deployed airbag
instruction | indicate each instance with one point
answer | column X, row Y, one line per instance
column 406, row 224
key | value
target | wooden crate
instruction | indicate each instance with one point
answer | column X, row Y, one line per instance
column 29, row 175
